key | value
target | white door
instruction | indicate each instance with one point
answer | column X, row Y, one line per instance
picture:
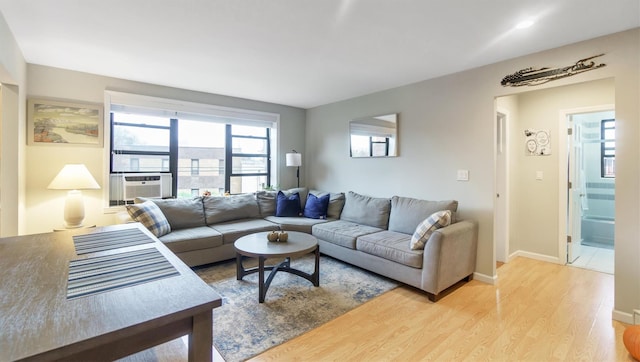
column 576, row 192
column 501, row 214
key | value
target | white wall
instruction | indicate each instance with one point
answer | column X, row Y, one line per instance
column 13, row 72
column 447, row 123
column 44, row 207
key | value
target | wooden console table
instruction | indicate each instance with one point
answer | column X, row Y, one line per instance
column 39, row 322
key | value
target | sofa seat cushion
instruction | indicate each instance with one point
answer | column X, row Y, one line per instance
column 196, row 238
column 301, row 224
column 343, row 233
column 233, row 230
column 392, row 246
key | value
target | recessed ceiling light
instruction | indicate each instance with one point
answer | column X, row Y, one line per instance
column 525, row 24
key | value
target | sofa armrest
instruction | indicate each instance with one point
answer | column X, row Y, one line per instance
column 449, row 256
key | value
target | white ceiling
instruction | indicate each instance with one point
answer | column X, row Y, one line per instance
column 302, row 53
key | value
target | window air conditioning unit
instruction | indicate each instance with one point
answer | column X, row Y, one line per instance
column 141, row 185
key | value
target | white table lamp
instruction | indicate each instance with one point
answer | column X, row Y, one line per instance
column 73, row 177
column 294, row 160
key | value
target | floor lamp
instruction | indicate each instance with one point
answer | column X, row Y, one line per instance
column 295, row 160
column 73, row 177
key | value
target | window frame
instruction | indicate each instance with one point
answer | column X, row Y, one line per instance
column 607, row 124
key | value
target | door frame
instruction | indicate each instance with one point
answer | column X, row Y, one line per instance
column 563, row 174
column 501, row 228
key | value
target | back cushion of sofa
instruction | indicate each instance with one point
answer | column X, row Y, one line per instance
column 226, row 208
column 267, row 200
column 181, row 213
column 336, row 202
column 366, row 210
column 407, row 213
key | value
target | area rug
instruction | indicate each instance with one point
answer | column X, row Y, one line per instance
column 243, row 328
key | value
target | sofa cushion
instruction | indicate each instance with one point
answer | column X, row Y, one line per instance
column 288, row 205
column 266, row 202
column 226, row 208
column 182, row 213
column 336, row 202
column 366, row 210
column 390, row 245
column 407, row 213
column 424, row 230
column 316, row 207
column 150, row 215
column 232, row 230
column 197, row 238
column 297, row 223
column 341, row 232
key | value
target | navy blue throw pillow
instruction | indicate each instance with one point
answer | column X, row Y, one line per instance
column 288, row 205
column 316, row 207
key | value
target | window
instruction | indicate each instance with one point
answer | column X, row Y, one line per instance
column 139, row 143
column 608, row 148
column 209, row 156
column 195, row 167
column 248, row 158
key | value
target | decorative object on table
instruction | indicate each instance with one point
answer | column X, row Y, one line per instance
column 73, row 177
column 294, row 160
column 283, row 236
column 272, row 236
column 54, row 122
column 244, row 328
column 537, row 142
column 631, row 339
column 206, row 193
column 535, row 76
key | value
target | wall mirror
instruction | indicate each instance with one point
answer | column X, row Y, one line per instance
column 375, row 136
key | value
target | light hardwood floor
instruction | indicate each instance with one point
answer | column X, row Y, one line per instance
column 537, row 311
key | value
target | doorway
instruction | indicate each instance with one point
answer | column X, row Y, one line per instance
column 591, row 189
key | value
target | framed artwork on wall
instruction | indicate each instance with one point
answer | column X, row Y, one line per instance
column 53, row 122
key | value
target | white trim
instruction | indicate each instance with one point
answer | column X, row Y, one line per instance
column 485, row 278
column 622, row 317
column 173, row 108
column 536, row 256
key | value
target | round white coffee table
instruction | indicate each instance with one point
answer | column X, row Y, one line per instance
column 257, row 246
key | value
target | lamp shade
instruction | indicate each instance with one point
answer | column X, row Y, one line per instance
column 73, row 177
column 294, row 159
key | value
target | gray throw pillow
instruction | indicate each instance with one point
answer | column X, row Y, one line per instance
column 366, row 210
column 266, row 202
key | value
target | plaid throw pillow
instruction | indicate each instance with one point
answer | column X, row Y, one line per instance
column 424, row 230
column 150, row 215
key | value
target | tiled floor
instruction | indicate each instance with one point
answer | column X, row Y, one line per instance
column 597, row 259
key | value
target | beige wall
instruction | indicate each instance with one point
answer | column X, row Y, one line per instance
column 44, row 207
column 448, row 124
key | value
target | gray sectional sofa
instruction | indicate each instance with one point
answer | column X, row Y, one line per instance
column 372, row 233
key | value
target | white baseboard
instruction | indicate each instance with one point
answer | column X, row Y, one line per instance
column 485, row 278
column 536, row 256
column 622, row 317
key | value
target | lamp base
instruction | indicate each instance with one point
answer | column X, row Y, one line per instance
column 74, row 210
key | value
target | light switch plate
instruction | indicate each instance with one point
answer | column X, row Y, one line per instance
column 463, row 175
column 539, row 175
